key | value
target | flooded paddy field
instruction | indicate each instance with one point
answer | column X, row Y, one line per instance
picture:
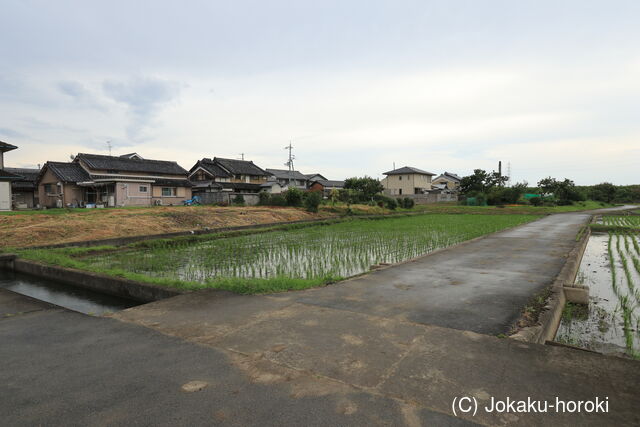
column 295, row 258
column 610, row 267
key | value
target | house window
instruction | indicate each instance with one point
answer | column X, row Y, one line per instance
column 143, row 189
column 400, row 191
column 168, row 191
column 399, row 177
column 48, row 188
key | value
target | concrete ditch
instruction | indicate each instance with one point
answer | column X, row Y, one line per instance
column 116, row 286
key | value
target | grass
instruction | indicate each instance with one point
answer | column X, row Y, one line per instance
column 282, row 258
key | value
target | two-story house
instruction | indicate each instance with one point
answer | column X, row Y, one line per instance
column 449, row 180
column 289, row 179
column 229, row 175
column 406, row 180
column 99, row 180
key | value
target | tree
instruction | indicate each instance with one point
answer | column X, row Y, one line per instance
column 365, row 187
column 564, row 191
column 312, row 201
column 481, row 181
column 603, row 192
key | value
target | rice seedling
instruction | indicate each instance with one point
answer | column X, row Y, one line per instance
column 316, row 254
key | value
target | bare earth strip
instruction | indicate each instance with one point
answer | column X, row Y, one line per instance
column 51, row 228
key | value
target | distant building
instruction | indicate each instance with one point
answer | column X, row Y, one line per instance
column 450, row 180
column 25, row 189
column 288, row 179
column 6, row 178
column 407, row 180
column 326, row 186
column 109, row 181
column 314, row 177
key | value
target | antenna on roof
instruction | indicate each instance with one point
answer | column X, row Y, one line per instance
column 242, row 156
column 109, row 145
column 290, row 162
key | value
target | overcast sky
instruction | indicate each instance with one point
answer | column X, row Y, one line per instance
column 551, row 87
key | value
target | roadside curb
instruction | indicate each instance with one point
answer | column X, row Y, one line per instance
column 549, row 319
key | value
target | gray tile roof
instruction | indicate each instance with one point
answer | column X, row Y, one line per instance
column 27, row 174
column 8, row 176
column 123, row 164
column 329, row 183
column 6, row 147
column 240, row 167
column 284, row 174
column 408, row 170
column 67, row 172
column 210, row 166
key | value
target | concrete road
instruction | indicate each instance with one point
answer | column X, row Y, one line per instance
column 394, row 347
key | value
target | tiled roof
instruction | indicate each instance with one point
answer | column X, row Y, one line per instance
column 68, row 172
column 408, row 170
column 8, row 176
column 313, row 175
column 29, row 175
column 284, row 174
column 329, row 183
column 6, row 147
column 123, row 164
column 240, row 167
column 211, row 167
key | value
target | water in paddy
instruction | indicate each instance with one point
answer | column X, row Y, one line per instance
column 337, row 250
column 71, row 297
column 602, row 327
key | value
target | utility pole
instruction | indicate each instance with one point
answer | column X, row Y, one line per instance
column 109, row 145
column 290, row 163
column 242, row 156
column 500, row 171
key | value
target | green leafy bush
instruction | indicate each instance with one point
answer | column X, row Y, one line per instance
column 312, row 201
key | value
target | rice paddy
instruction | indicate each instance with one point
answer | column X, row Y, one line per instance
column 311, row 256
column 611, row 268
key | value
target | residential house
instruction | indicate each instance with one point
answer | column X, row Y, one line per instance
column 288, row 179
column 99, row 180
column 450, row 180
column 6, row 178
column 217, row 180
column 406, row 181
column 25, row 190
column 326, row 186
column 314, row 177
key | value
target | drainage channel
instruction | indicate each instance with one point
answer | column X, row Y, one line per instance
column 64, row 295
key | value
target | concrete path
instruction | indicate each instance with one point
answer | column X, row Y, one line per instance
column 394, row 347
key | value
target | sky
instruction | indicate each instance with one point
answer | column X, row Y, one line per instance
column 550, row 88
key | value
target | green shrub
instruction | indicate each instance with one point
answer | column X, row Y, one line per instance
column 264, row 198
column 536, row 201
column 312, row 201
column 238, row 200
column 277, row 200
column 390, row 203
column 408, row 203
column 293, row 196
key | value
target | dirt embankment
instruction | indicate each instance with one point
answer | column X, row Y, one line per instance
column 35, row 229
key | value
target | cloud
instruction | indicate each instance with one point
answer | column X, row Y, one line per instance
column 144, row 97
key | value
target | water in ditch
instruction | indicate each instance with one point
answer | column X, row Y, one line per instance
column 64, row 295
column 610, row 324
